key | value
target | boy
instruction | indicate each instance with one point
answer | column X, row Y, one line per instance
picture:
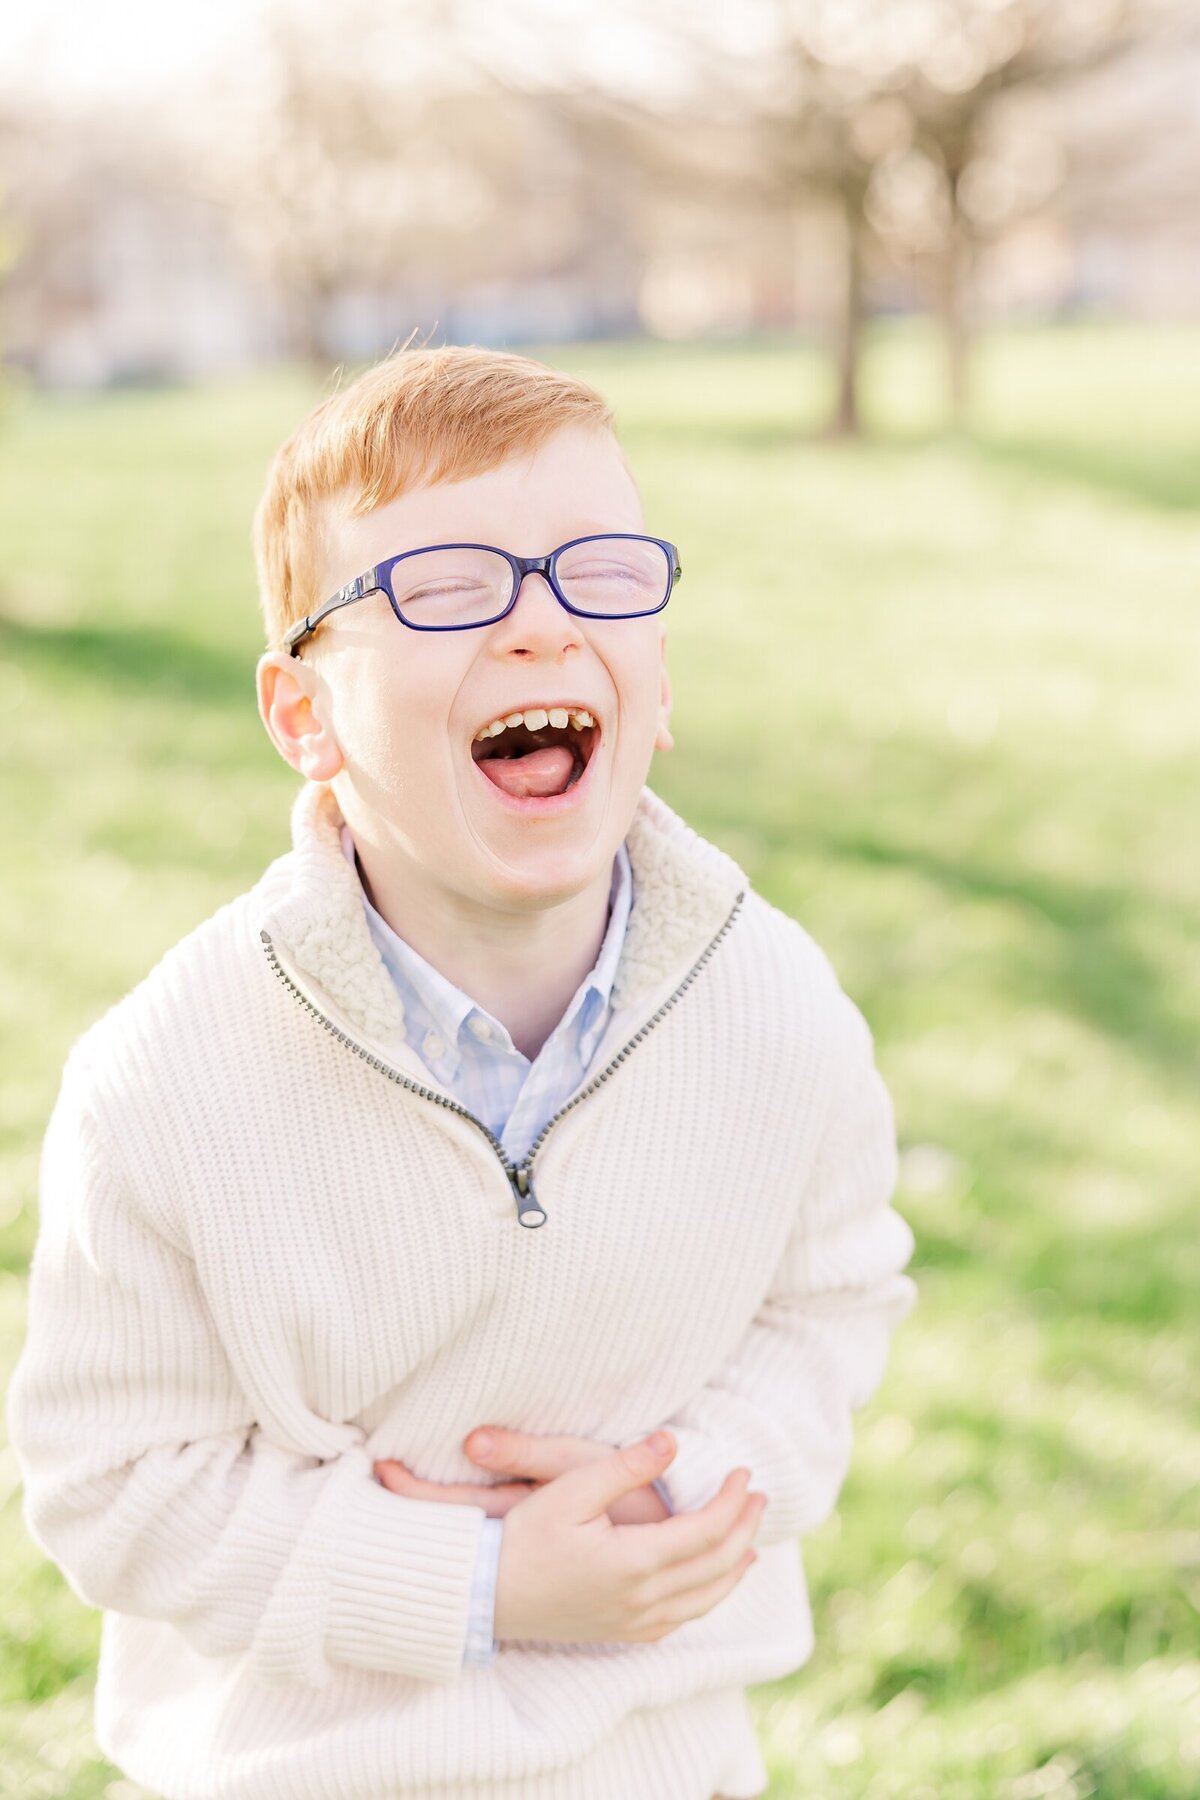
column 499, row 1100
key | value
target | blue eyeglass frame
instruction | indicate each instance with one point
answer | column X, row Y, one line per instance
column 379, row 580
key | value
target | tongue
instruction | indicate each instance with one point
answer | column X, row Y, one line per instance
column 542, row 772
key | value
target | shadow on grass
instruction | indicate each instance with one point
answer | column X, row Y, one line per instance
column 1095, row 970
column 717, row 435
column 146, row 659
column 1166, row 479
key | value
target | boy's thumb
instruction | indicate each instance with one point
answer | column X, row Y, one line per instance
column 595, row 1485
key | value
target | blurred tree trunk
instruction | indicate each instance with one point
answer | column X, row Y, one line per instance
column 956, row 263
column 955, row 330
column 847, row 419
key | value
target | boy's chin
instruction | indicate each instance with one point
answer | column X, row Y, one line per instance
column 546, row 860
column 526, row 865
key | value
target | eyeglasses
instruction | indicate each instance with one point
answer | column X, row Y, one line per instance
column 456, row 587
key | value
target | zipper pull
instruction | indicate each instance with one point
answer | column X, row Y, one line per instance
column 529, row 1211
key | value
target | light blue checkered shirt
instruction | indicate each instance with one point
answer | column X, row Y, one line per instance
column 471, row 1055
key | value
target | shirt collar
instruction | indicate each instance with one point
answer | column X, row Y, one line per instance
column 448, row 1006
column 306, row 910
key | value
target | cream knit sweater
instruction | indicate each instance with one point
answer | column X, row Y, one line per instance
column 271, row 1251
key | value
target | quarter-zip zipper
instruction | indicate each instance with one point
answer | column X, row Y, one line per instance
column 519, row 1174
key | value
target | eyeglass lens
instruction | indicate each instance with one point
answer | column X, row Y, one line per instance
column 610, row 577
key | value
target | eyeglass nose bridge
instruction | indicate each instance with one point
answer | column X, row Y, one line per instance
column 533, row 565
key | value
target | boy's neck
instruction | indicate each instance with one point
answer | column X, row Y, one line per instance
column 522, row 967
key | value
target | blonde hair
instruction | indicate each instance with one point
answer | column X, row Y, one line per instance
column 420, row 416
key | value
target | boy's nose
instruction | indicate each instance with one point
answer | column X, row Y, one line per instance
column 537, row 620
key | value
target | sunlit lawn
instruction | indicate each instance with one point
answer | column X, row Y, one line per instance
column 941, row 697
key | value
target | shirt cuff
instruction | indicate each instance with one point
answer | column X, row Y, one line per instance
column 481, row 1646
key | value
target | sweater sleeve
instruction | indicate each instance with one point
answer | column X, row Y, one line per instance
column 150, row 1484
column 781, row 1403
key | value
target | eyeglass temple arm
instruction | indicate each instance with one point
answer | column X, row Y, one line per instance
column 366, row 583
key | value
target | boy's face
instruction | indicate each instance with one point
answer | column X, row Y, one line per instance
column 390, row 714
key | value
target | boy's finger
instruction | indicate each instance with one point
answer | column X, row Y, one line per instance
column 715, row 1562
column 400, row 1480
column 526, row 1453
column 591, row 1489
column 687, row 1534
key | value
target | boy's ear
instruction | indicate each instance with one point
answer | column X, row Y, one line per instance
column 292, row 703
column 663, row 740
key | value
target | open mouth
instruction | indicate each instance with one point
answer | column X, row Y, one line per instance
column 537, row 762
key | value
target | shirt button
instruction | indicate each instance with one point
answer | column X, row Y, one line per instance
column 480, row 1027
column 433, row 1046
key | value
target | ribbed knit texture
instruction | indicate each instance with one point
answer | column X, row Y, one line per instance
column 468, row 1051
column 263, row 1262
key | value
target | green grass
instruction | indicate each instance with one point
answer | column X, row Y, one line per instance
column 939, row 695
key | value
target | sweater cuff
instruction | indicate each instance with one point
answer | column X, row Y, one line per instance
column 401, row 1580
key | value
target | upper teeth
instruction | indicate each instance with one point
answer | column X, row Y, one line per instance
column 536, row 717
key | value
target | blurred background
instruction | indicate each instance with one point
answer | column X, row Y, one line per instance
column 898, row 302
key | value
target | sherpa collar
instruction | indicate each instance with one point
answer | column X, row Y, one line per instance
column 310, row 901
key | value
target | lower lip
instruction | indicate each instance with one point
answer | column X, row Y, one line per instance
column 544, row 806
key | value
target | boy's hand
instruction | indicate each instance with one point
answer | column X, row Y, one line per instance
column 531, row 1460
column 568, row 1574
